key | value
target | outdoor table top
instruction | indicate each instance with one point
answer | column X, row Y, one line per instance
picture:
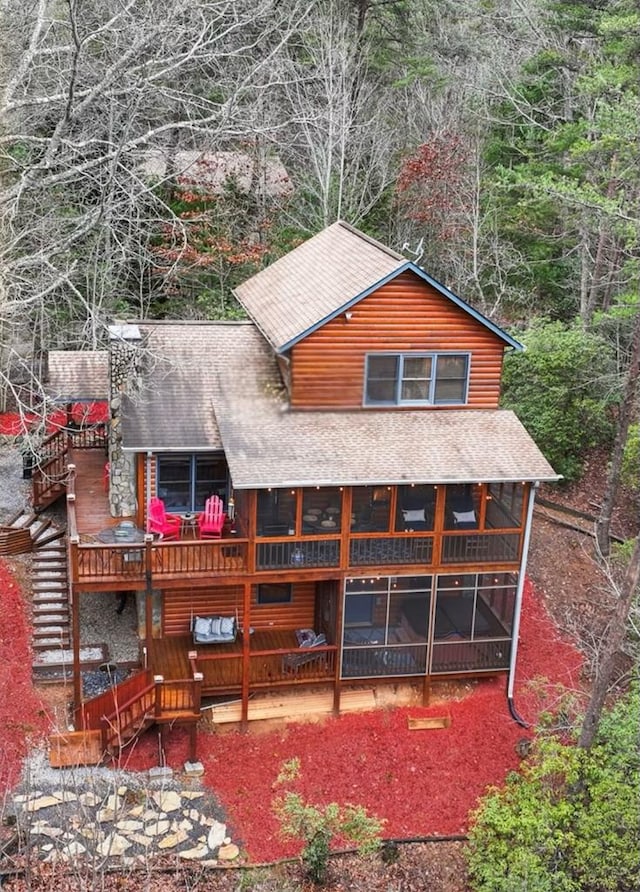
column 121, row 535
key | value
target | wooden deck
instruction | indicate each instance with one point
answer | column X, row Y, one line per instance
column 92, row 501
column 222, row 664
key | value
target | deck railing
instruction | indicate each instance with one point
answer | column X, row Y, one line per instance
column 380, row 550
column 470, row 656
column 177, row 695
column 49, row 474
column 270, row 667
column 476, row 548
column 91, row 713
column 94, row 562
column 380, row 661
column 287, row 553
column 135, row 703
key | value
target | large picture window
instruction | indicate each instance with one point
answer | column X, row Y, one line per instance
column 395, row 379
column 185, row 482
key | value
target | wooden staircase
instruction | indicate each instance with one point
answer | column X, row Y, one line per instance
column 27, row 531
column 51, row 616
column 126, row 711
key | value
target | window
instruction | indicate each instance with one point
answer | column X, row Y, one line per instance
column 415, row 509
column 185, row 482
column 277, row 512
column 396, row 379
column 322, row 510
column 474, row 606
column 370, row 509
column 275, row 593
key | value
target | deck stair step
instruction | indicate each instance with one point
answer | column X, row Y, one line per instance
column 26, row 531
column 50, row 537
column 52, row 551
column 53, row 600
column 51, row 632
column 51, row 618
column 54, row 662
column 47, row 585
column 47, row 644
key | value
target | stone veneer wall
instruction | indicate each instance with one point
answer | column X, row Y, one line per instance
column 125, row 366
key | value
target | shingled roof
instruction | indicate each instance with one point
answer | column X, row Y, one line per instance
column 217, row 386
column 324, row 277
column 314, row 281
column 78, row 375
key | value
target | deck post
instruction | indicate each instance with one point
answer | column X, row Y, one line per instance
column 339, row 638
column 148, row 600
column 198, row 678
column 246, row 654
column 158, row 681
column 75, row 636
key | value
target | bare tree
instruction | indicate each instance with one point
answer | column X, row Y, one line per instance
column 86, row 89
column 613, row 643
column 626, row 416
column 342, row 137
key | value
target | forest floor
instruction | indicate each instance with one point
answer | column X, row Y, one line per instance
column 566, row 577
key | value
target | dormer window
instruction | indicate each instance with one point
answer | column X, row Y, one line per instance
column 415, row 379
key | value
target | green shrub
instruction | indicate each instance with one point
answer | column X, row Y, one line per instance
column 569, row 821
column 316, row 826
column 562, row 389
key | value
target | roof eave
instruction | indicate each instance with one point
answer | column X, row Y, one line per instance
column 406, row 265
column 284, row 484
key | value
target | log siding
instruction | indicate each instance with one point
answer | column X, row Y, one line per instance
column 180, row 605
column 405, row 315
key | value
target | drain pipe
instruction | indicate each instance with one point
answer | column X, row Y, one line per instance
column 518, row 609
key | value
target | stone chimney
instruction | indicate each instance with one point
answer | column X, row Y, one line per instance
column 125, row 369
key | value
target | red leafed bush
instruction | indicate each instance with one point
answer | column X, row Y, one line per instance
column 14, row 424
column 421, row 782
column 22, row 716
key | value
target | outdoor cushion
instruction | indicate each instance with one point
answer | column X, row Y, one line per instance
column 214, row 629
column 464, row 516
column 415, row 516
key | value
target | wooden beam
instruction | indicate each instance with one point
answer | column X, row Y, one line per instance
column 246, row 652
column 421, row 724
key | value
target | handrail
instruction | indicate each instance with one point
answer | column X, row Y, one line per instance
column 92, row 711
column 130, row 702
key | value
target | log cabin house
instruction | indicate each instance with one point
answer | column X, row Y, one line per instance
column 378, row 501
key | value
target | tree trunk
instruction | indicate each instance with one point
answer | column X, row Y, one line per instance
column 603, row 523
column 613, row 642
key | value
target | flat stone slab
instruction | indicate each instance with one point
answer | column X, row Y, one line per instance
column 130, row 823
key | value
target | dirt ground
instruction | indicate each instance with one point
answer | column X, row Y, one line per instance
column 563, row 568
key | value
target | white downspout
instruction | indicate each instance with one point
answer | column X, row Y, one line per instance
column 518, row 605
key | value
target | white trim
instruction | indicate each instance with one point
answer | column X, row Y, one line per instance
column 515, row 631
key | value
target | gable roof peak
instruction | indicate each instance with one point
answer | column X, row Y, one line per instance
column 323, row 277
column 308, row 285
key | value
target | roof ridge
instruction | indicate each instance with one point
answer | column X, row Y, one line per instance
column 205, row 323
column 371, row 240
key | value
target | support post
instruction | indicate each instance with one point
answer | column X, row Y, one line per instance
column 75, row 643
column 246, row 654
column 148, row 599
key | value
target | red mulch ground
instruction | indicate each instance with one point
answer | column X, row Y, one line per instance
column 14, row 424
column 23, row 717
column 421, row 782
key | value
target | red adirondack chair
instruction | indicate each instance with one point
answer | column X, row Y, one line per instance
column 164, row 525
column 211, row 521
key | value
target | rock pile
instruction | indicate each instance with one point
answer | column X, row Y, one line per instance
column 129, row 822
